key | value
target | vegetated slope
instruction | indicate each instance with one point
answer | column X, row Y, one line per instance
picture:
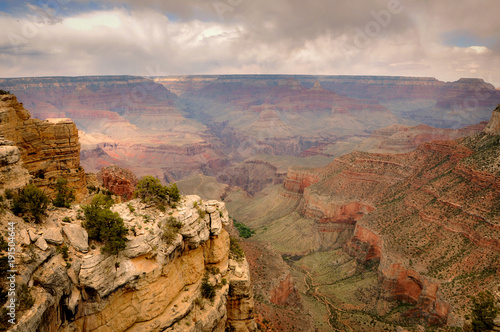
column 226, row 126
column 427, row 222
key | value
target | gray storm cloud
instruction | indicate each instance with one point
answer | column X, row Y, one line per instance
column 383, row 37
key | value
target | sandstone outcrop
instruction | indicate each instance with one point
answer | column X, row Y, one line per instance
column 152, row 285
column 119, row 181
column 12, row 174
column 493, row 126
column 49, row 149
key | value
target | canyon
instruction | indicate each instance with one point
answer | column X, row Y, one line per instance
column 373, row 199
column 178, row 127
column 65, row 282
column 392, row 239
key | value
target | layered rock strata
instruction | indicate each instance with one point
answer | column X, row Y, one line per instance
column 152, row 285
column 48, row 149
column 426, row 219
column 119, row 181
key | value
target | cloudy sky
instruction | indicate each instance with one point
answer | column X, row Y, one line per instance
column 446, row 39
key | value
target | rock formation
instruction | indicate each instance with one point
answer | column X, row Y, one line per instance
column 49, row 149
column 420, row 228
column 400, row 205
column 12, row 175
column 178, row 127
column 152, row 285
column 119, row 181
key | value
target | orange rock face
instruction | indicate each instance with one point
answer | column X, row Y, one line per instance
column 119, row 181
column 399, row 283
column 49, row 149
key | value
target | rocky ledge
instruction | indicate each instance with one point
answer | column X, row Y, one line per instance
column 152, row 285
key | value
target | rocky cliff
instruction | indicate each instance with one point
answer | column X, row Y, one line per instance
column 12, row 175
column 422, row 218
column 48, row 149
column 152, row 285
column 121, row 182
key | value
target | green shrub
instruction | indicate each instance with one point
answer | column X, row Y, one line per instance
column 483, row 312
column 170, row 228
column 235, row 250
column 201, row 213
column 150, row 190
column 104, row 225
column 64, row 251
column 245, row 231
column 31, row 200
column 66, row 219
column 207, row 290
column 3, row 92
column 9, row 194
column 65, row 195
column 131, row 208
column 24, row 298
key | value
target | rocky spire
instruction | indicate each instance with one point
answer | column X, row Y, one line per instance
column 493, row 127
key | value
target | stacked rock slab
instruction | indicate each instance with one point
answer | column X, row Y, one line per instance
column 48, row 149
column 152, row 285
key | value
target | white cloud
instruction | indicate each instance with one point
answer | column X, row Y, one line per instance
column 286, row 38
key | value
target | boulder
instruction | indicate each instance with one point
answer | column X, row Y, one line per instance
column 77, row 236
column 24, row 238
column 33, row 234
column 9, row 155
column 53, row 235
column 41, row 243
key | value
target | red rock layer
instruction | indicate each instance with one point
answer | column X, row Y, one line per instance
column 119, row 181
column 424, row 215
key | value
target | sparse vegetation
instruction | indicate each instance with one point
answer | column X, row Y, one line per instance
column 202, row 213
column 24, row 298
column 3, row 92
column 483, row 312
column 65, row 195
column 245, row 231
column 64, row 250
column 235, row 250
column 151, row 191
column 207, row 289
column 170, row 228
column 32, row 201
column 104, row 225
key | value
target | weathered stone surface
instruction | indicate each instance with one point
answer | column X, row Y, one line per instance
column 53, row 276
column 53, row 235
column 119, row 181
column 9, row 155
column 33, row 233
column 41, row 243
column 150, row 286
column 48, row 149
column 12, row 174
column 77, row 236
column 34, row 317
column 195, row 229
column 138, row 246
column 24, row 238
column 240, row 304
column 493, row 126
column 217, row 251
